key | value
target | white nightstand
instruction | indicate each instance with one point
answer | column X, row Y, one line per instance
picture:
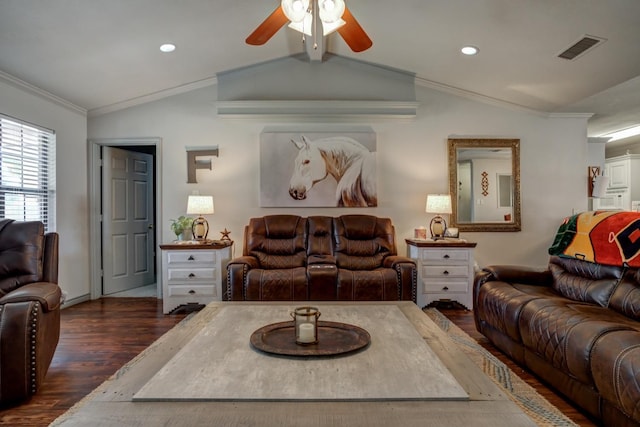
column 445, row 271
column 193, row 273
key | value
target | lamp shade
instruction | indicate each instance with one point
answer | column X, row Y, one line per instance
column 200, row 205
column 600, row 184
column 438, row 203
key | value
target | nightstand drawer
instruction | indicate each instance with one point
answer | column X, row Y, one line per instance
column 186, row 274
column 186, row 290
column 445, row 255
column 189, row 257
column 451, row 286
column 444, row 271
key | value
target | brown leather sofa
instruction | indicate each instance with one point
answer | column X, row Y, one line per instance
column 320, row 258
column 575, row 325
column 29, row 307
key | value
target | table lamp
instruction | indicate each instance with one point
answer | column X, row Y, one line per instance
column 438, row 204
column 200, row 205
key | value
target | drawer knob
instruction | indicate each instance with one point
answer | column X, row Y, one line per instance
column 446, row 273
column 192, row 275
column 446, row 288
column 191, row 258
column 446, row 256
column 192, row 292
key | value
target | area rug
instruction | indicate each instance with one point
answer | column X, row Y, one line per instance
column 534, row 405
column 530, row 401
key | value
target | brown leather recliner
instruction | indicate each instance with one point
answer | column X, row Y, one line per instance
column 320, row 258
column 29, row 307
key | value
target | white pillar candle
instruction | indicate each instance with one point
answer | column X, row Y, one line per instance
column 306, row 333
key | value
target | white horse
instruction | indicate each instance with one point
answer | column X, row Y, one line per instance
column 351, row 164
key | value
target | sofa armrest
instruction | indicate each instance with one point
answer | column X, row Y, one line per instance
column 237, row 270
column 321, row 259
column 407, row 275
column 517, row 274
column 392, row 261
column 47, row 294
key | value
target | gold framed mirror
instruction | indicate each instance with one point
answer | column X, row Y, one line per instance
column 484, row 182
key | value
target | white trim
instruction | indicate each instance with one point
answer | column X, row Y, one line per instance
column 95, row 247
column 20, row 84
column 143, row 99
column 317, row 109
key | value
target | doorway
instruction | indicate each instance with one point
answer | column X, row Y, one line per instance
column 123, row 253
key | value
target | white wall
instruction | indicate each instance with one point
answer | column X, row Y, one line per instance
column 412, row 161
column 70, row 125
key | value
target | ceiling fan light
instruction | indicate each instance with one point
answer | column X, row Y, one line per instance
column 330, row 27
column 295, row 10
column 331, row 10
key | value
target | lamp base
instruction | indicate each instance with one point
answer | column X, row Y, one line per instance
column 200, row 228
column 437, row 226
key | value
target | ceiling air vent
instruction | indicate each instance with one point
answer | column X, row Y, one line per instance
column 580, row 47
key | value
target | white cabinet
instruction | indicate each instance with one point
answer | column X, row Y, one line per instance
column 193, row 273
column 445, row 271
column 624, row 183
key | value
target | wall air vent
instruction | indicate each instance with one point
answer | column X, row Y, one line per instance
column 579, row 48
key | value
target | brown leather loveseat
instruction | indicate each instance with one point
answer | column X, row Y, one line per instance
column 320, row 258
column 577, row 323
column 29, row 307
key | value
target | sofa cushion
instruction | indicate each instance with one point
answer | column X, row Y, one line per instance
column 21, row 251
column 615, row 363
column 362, row 241
column 500, row 303
column 376, row 285
column 564, row 333
column 276, row 285
column 320, row 238
column 277, row 241
column 626, row 297
column 584, row 281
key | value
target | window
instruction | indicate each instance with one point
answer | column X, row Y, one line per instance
column 27, row 172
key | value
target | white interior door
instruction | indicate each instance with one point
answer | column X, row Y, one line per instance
column 127, row 220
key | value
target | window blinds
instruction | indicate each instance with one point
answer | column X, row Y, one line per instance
column 27, row 172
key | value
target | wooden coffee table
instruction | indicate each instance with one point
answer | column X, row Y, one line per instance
column 204, row 372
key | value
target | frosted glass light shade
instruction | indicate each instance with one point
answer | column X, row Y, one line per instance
column 331, row 10
column 295, row 10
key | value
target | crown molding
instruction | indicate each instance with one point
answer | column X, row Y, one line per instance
column 210, row 81
column 41, row 93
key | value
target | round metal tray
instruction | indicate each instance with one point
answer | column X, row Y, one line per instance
column 333, row 338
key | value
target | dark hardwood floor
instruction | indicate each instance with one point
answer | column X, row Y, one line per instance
column 98, row 337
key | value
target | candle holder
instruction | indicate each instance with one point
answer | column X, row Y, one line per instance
column 306, row 325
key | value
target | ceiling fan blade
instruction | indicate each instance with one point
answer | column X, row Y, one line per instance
column 268, row 28
column 353, row 34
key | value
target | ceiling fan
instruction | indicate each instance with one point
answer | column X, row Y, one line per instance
column 303, row 15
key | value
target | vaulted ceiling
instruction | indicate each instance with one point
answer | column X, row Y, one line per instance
column 99, row 54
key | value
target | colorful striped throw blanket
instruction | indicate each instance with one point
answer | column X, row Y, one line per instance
column 603, row 237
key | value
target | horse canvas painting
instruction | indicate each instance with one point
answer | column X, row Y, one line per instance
column 318, row 169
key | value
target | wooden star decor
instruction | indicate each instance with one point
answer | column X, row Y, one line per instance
column 225, row 234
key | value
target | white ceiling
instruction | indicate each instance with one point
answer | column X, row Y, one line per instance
column 99, row 54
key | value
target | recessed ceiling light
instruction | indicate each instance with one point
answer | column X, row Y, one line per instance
column 469, row 50
column 168, row 47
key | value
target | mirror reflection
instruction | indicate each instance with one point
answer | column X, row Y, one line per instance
column 484, row 182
